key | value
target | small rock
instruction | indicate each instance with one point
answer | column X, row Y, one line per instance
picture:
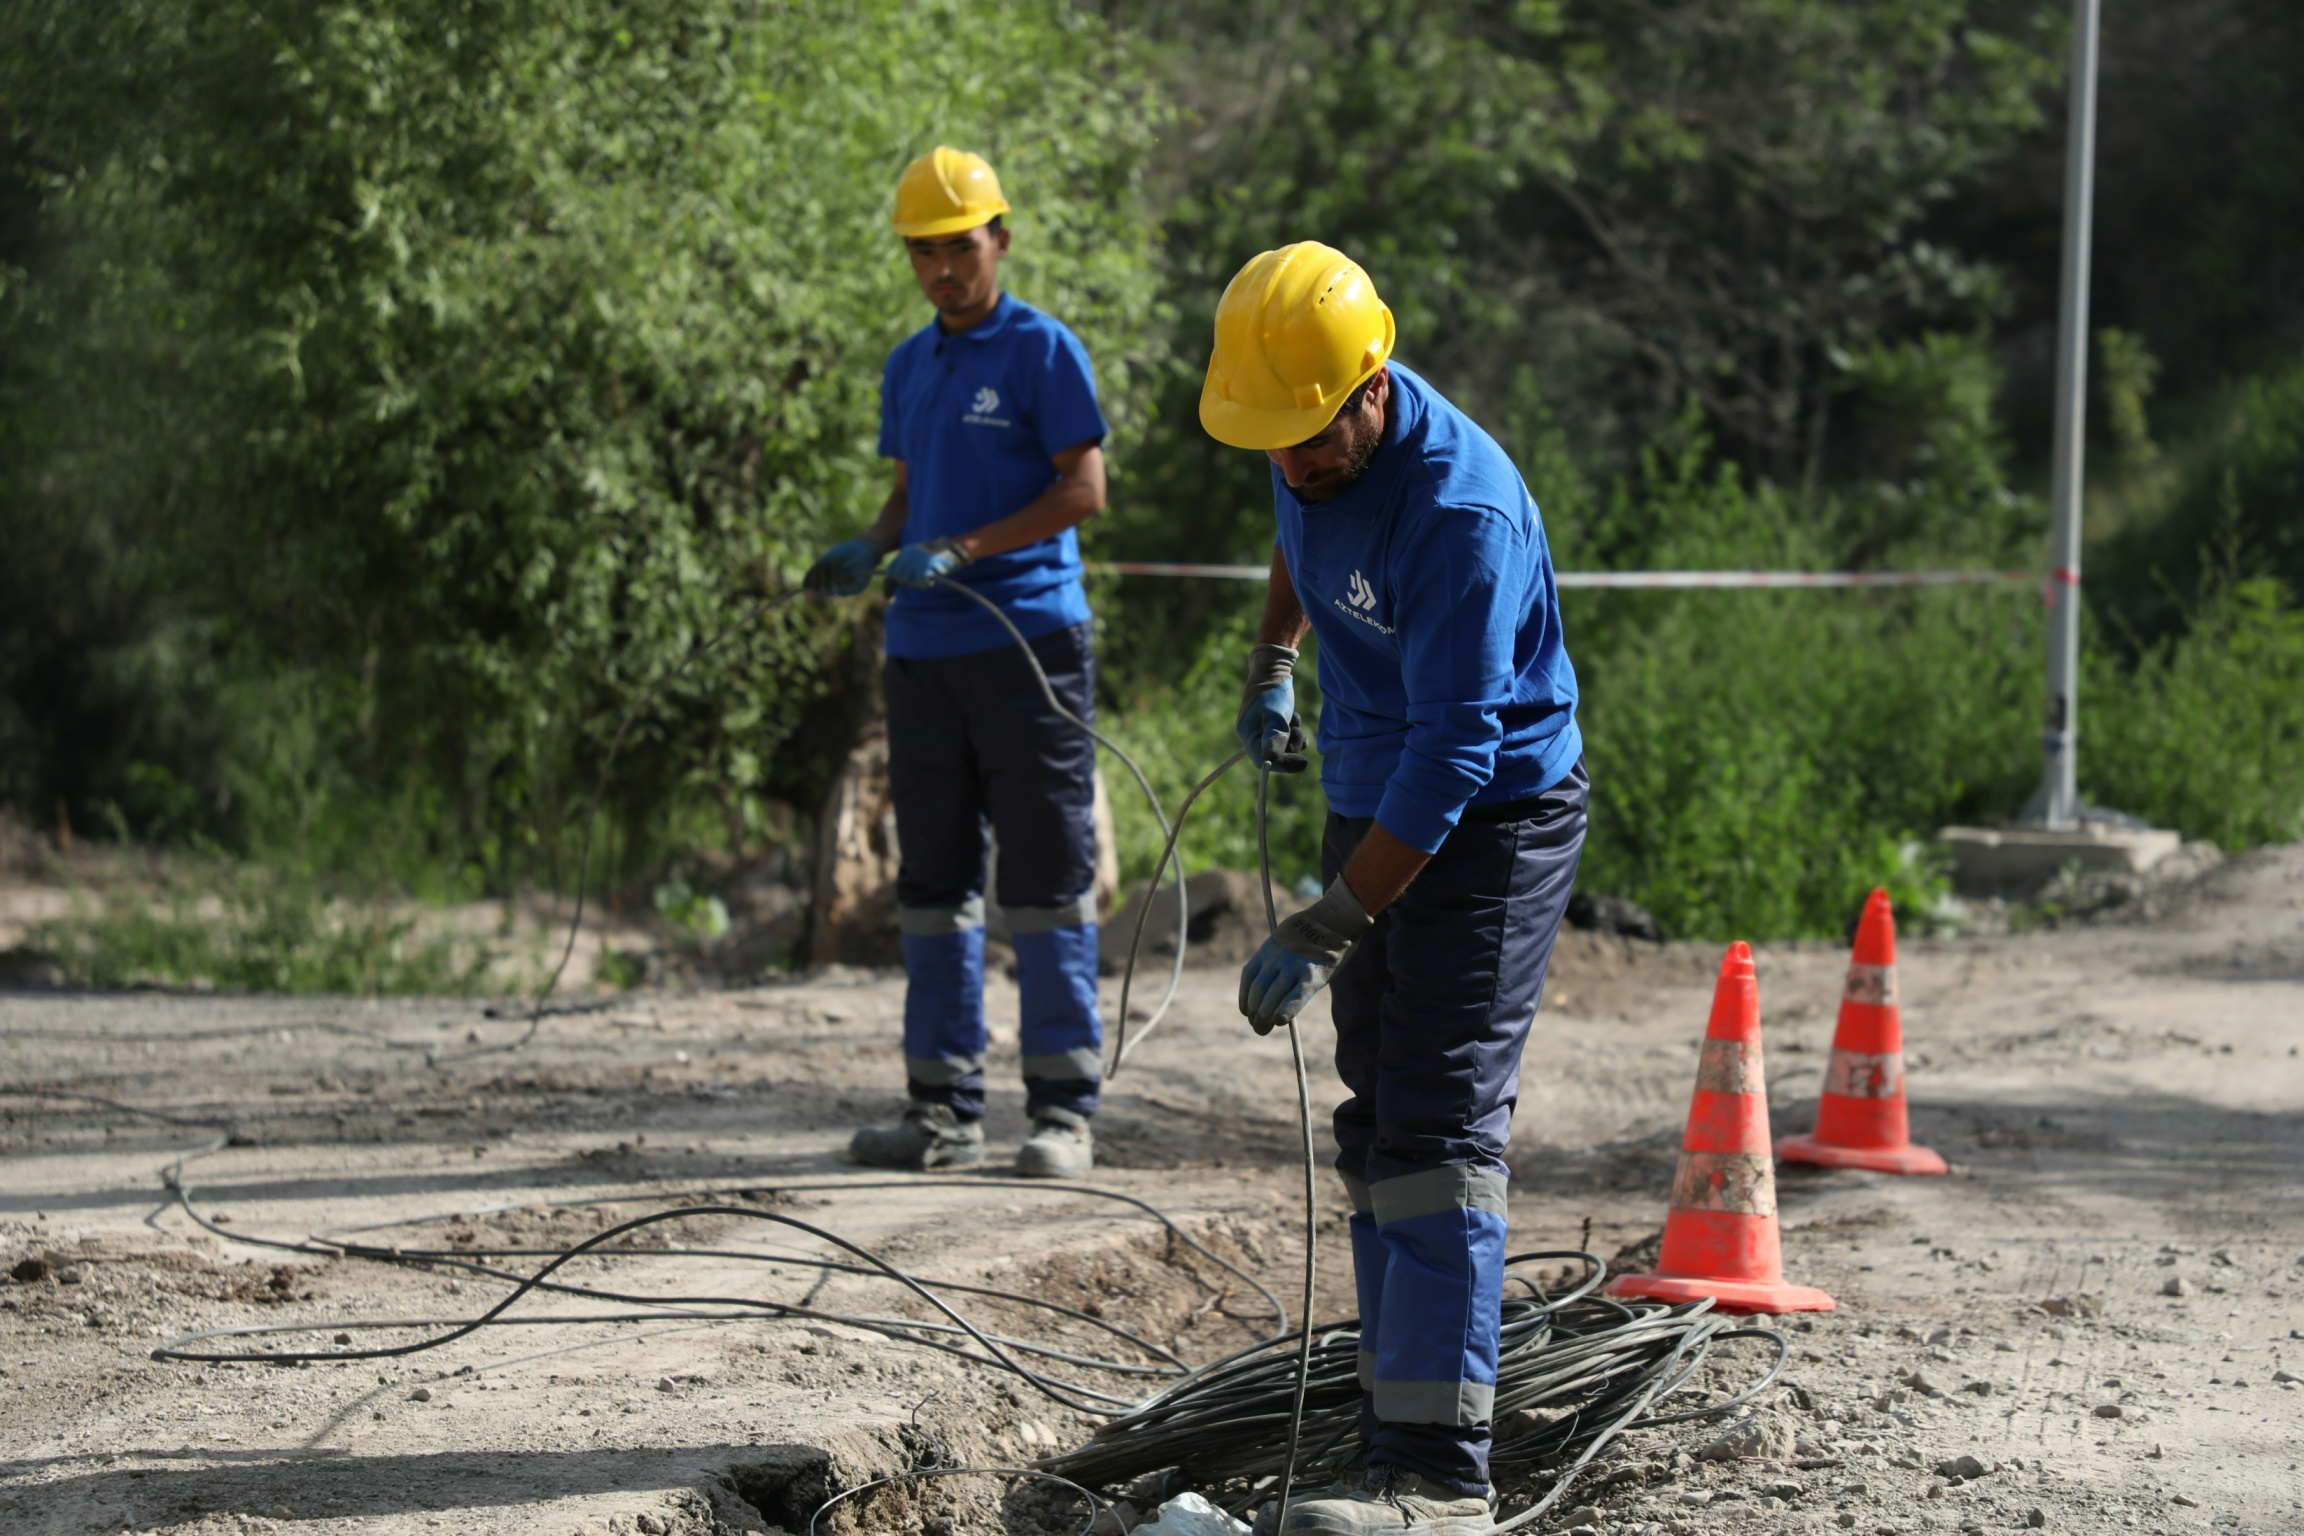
column 2184, row 1499
column 2036, row 1518
column 69, row 1275
column 420, row 1395
column 281, row 1512
column 2285, row 1377
column 1764, row 1437
column 1846, row 1520
column 1783, row 1489
column 1695, row 1498
column 343, row 1338
column 2108, row 1410
column 1935, row 1491
column 1923, row 1385
column 28, row 1271
column 2176, row 1285
column 1980, row 1388
column 1770, row 1501
column 1961, row 1466
column 1583, row 1514
column 650, row 1525
column 666, row 1384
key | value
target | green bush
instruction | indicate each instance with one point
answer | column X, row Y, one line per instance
column 2206, row 733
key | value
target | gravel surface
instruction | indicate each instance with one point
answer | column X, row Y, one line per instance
column 2095, row 1324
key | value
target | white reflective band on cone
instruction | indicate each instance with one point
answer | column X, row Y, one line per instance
column 1861, row 1075
column 1743, row 1183
column 1874, row 984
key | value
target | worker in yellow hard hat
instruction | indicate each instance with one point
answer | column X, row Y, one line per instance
column 989, row 413
column 1454, row 770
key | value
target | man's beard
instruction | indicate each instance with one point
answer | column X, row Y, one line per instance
column 1329, row 486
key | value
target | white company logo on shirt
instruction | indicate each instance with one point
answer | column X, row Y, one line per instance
column 1360, row 603
column 981, row 408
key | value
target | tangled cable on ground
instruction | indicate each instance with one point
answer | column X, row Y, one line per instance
column 1574, row 1372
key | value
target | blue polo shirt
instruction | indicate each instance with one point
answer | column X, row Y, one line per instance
column 977, row 417
column 1444, row 681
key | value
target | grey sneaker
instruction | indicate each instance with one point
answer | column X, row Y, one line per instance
column 929, row 1136
column 1389, row 1502
column 1060, row 1147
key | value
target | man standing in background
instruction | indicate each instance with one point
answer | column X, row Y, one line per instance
column 990, row 415
column 1455, row 778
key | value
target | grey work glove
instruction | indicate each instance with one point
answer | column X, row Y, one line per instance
column 1303, row 952
column 1267, row 726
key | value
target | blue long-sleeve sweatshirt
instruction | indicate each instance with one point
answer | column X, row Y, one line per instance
column 1444, row 679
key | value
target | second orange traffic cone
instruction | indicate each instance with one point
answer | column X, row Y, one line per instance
column 1860, row 1117
column 1720, row 1236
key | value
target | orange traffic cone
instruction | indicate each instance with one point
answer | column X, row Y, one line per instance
column 1720, row 1237
column 1860, row 1117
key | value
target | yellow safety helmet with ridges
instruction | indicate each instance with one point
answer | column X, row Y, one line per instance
column 944, row 192
column 1297, row 330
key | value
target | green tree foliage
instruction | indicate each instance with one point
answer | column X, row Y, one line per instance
column 389, row 392
column 2232, row 508
column 1610, row 208
column 452, row 369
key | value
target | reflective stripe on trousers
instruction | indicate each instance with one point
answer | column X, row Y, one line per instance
column 1432, row 1244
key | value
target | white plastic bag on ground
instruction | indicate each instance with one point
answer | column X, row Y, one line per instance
column 1188, row 1514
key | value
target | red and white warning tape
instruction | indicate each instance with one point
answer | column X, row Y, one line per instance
column 1643, row 578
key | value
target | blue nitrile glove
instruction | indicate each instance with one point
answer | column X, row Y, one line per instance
column 843, row 570
column 919, row 565
column 1280, row 978
column 1267, row 725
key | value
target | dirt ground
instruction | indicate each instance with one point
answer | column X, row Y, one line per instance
column 2103, row 1304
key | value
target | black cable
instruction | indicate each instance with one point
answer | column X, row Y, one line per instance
column 921, row 1474
column 1168, row 853
column 1311, row 1195
column 331, row 1242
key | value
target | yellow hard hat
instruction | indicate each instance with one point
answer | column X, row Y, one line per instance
column 1299, row 329
column 944, row 192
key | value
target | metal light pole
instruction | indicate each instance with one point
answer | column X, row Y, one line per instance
column 2057, row 804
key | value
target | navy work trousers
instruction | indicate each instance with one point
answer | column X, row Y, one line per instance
column 1431, row 1011
column 972, row 742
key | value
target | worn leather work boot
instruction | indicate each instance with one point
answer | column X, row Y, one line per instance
column 929, row 1136
column 1389, row 1501
column 1061, row 1146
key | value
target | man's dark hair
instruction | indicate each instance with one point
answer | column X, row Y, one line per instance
column 1356, row 401
column 993, row 227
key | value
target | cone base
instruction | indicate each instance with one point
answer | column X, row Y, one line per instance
column 1908, row 1159
column 1726, row 1295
